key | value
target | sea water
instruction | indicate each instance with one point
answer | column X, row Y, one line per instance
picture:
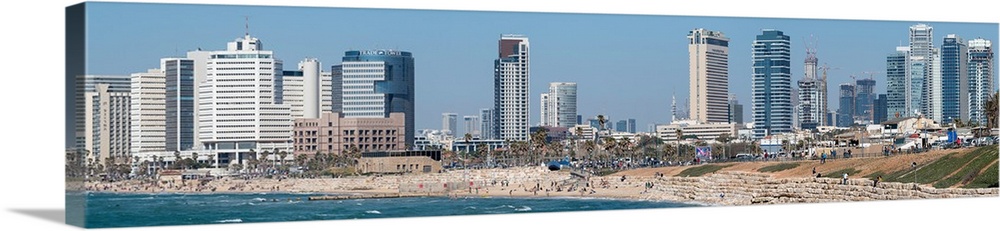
column 106, row 210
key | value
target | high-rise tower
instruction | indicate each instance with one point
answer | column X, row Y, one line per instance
column 954, row 79
column 241, row 109
column 812, row 94
column 772, row 77
column 708, row 57
column 511, row 74
column 981, row 78
column 559, row 105
column 376, row 83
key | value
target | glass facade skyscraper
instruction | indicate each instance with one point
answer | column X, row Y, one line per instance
column 954, row 79
column 864, row 98
column 179, row 107
column 898, row 84
column 375, row 83
column 772, row 84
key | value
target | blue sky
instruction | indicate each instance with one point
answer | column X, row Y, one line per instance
column 626, row 66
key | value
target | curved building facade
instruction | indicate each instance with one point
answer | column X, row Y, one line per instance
column 375, row 83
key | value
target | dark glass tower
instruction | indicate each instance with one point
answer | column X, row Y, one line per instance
column 954, row 80
column 772, row 84
column 180, row 104
column 391, row 85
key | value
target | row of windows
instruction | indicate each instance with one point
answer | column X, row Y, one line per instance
column 237, row 97
column 235, row 114
column 238, row 74
column 234, row 80
column 234, row 68
column 223, row 92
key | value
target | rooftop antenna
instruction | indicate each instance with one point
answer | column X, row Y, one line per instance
column 246, row 25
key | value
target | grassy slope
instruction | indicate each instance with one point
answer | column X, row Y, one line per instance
column 702, row 170
column 778, row 167
column 982, row 158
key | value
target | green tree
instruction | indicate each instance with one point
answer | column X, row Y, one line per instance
column 281, row 156
column 992, row 110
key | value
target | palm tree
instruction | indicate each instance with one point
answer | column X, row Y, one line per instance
column 301, row 159
column 539, row 141
column 194, row 157
column 992, row 110
column 589, row 146
column 177, row 160
column 281, row 156
column 679, row 133
column 211, row 160
column 601, row 120
column 725, row 138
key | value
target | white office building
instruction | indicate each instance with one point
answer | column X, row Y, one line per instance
column 241, row 109
column 472, row 126
column 707, row 132
column 487, row 122
column 148, row 112
column 307, row 91
column 708, row 57
column 449, row 123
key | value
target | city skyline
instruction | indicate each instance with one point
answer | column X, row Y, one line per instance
column 557, row 58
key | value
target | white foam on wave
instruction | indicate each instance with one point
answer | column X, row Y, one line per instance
column 373, row 212
column 258, row 199
column 523, row 208
column 237, row 220
column 470, row 207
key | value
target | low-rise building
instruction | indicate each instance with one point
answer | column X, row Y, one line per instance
column 704, row 131
column 400, row 162
column 334, row 134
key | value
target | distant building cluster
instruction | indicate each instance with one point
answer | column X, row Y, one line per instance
column 232, row 104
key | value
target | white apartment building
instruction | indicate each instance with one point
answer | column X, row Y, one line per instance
column 148, row 112
column 512, row 74
column 108, row 124
column 241, row 109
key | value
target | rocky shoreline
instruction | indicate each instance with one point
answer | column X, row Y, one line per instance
column 719, row 189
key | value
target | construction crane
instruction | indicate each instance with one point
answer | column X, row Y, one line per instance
column 871, row 74
column 826, row 68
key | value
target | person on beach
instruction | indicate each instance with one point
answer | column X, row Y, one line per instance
column 814, row 170
column 875, row 184
column 845, row 179
column 822, row 159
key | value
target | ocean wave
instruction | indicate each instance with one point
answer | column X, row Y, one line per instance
column 237, row 220
column 470, row 207
column 373, row 212
column 523, row 208
column 358, row 204
column 258, row 199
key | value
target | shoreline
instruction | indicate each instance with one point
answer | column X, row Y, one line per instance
column 719, row 189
